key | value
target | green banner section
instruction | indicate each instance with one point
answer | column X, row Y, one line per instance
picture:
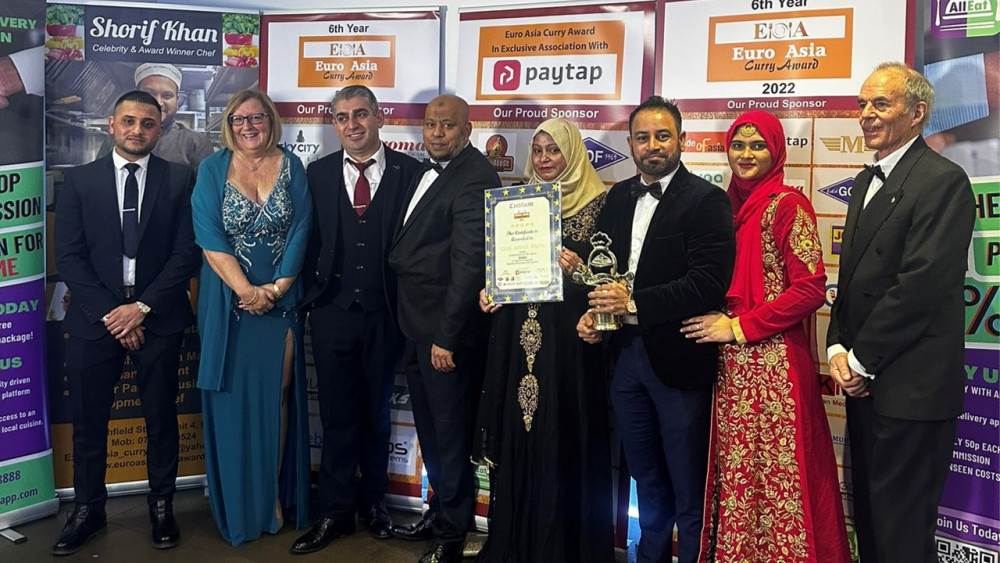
column 22, row 254
column 27, row 482
column 21, row 196
column 987, row 194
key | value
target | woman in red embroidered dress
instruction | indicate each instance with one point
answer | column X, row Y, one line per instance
column 772, row 491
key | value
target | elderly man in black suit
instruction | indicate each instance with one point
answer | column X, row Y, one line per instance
column 675, row 232
column 351, row 298
column 438, row 252
column 125, row 248
column 896, row 336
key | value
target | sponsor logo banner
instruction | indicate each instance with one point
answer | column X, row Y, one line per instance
column 340, row 60
column 840, row 191
column 601, row 155
column 554, row 61
column 803, row 44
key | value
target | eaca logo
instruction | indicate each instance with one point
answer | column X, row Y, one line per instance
column 507, row 75
column 601, row 155
column 841, row 191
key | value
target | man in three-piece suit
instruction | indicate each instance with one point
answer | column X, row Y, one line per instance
column 125, row 248
column 351, row 299
column 675, row 232
column 438, row 252
column 896, row 336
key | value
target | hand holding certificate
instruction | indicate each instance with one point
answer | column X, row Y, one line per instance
column 523, row 240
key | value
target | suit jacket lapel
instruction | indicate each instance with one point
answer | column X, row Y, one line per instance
column 432, row 193
column 154, row 179
column 670, row 193
column 870, row 220
column 387, row 193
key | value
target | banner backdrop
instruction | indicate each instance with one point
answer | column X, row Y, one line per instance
column 306, row 58
column 26, row 488
column 92, row 54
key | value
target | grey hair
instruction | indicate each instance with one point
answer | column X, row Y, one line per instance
column 355, row 91
column 916, row 88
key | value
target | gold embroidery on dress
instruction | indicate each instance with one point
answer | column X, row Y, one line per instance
column 580, row 226
column 531, row 341
column 755, row 417
column 804, row 239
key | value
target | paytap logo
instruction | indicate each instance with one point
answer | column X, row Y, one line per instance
column 507, row 74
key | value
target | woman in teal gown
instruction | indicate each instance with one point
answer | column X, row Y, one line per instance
column 252, row 214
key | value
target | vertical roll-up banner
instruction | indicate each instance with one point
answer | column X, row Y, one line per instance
column 26, row 487
column 305, row 60
column 91, row 55
column 962, row 60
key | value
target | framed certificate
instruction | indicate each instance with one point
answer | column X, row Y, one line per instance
column 523, row 240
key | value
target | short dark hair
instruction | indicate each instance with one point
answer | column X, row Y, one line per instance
column 355, row 91
column 657, row 102
column 138, row 96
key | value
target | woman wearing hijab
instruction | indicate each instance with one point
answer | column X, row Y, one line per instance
column 550, row 470
column 773, row 492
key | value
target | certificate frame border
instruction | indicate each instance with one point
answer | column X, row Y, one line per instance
column 553, row 292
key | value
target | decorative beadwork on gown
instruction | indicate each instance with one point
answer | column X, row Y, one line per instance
column 580, row 226
column 527, row 390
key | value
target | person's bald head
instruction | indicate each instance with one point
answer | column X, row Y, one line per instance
column 446, row 127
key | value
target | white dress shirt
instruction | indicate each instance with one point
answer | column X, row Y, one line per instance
column 373, row 173
column 645, row 206
column 121, row 173
column 425, row 183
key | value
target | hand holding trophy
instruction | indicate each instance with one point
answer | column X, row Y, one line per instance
column 602, row 268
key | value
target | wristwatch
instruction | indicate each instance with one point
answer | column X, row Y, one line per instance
column 630, row 306
column 145, row 309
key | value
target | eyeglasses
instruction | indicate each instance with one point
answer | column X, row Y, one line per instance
column 254, row 118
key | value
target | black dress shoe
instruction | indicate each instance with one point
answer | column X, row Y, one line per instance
column 81, row 525
column 377, row 521
column 442, row 553
column 166, row 533
column 324, row 531
column 421, row 531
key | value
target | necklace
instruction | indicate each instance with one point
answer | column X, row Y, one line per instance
column 254, row 166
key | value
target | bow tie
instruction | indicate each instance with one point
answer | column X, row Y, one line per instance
column 638, row 188
column 877, row 171
column 431, row 165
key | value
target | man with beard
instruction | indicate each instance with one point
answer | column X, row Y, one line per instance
column 177, row 143
column 125, row 248
column 674, row 230
column 438, row 253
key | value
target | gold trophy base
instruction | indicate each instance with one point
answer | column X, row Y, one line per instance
column 606, row 322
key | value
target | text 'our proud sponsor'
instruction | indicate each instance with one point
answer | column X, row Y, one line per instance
column 575, row 60
column 804, row 44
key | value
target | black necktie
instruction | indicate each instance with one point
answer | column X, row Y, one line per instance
column 431, row 165
column 877, row 171
column 638, row 188
column 130, row 212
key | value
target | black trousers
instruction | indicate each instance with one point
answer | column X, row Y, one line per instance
column 356, row 354
column 898, row 471
column 93, row 369
column 443, row 416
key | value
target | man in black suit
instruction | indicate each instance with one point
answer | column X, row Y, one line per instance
column 438, row 252
column 125, row 248
column 674, row 230
column 896, row 336
column 350, row 294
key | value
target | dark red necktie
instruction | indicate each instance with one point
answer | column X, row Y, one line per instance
column 362, row 189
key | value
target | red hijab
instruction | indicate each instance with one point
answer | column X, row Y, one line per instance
column 750, row 198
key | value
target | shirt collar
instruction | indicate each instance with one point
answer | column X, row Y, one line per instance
column 664, row 181
column 892, row 159
column 379, row 157
column 121, row 161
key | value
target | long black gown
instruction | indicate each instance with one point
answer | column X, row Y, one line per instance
column 550, row 488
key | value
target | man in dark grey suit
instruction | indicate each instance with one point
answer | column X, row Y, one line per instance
column 438, row 252
column 350, row 294
column 125, row 248
column 675, row 232
column 896, row 336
